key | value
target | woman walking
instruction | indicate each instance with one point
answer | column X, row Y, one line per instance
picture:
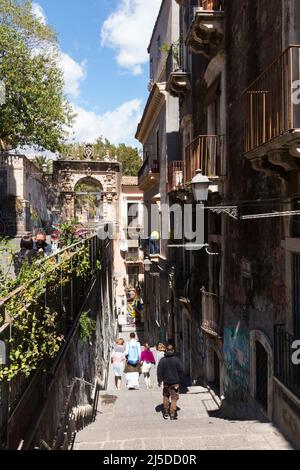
column 160, row 352
column 118, row 361
column 147, row 359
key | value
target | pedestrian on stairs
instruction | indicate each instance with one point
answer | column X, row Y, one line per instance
column 133, row 366
column 170, row 372
column 147, row 359
column 118, row 361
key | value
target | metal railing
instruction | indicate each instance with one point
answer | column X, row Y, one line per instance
column 206, row 153
column 175, row 175
column 213, row 5
column 175, row 59
column 285, row 371
column 272, row 101
column 211, row 318
column 80, row 410
column 150, row 165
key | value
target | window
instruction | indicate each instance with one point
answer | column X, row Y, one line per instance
column 133, row 276
column 215, row 224
column 158, row 45
column 151, row 69
column 132, row 214
column 295, row 222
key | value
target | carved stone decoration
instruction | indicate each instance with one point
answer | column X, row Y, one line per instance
column 88, row 172
column 283, row 158
column 67, row 184
column 69, row 206
column 89, row 151
column 107, row 156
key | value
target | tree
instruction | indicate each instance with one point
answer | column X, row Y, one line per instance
column 35, row 113
column 128, row 156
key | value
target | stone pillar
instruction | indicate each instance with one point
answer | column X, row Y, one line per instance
column 68, row 206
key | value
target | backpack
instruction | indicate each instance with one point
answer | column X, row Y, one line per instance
column 133, row 353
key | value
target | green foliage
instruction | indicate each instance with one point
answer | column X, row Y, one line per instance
column 36, row 331
column 86, row 327
column 128, row 156
column 67, row 236
column 36, row 112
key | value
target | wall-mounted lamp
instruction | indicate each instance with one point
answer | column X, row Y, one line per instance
column 147, row 265
column 200, row 185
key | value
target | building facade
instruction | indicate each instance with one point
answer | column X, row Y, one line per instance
column 23, row 203
column 235, row 311
column 158, row 131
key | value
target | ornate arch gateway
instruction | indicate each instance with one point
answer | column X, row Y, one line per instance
column 69, row 174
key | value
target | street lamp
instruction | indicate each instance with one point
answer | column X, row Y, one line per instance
column 200, row 185
column 147, row 265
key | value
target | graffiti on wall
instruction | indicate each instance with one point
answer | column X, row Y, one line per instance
column 236, row 363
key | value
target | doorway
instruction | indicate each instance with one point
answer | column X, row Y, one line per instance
column 261, row 375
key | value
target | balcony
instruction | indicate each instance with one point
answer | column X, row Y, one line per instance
column 178, row 80
column 206, row 33
column 285, row 371
column 211, row 317
column 150, row 247
column 206, row 153
column 175, row 176
column 272, row 116
column 149, row 173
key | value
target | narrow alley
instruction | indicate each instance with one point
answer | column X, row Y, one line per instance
column 132, row 420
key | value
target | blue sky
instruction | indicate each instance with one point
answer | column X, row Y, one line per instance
column 103, row 54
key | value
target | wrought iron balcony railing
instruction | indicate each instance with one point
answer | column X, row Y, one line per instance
column 206, row 153
column 175, row 175
column 272, row 101
column 211, row 318
column 285, row 371
column 148, row 175
column 178, row 81
column 213, row 5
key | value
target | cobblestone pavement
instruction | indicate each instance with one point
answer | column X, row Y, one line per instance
column 132, row 420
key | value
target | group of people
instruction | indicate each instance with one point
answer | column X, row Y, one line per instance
column 131, row 360
column 30, row 249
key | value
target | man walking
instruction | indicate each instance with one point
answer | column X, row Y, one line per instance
column 170, row 371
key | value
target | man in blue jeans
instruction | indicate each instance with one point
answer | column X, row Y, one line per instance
column 170, row 372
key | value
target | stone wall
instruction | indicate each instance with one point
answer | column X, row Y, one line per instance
column 254, row 265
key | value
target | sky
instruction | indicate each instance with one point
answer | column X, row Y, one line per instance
column 104, row 57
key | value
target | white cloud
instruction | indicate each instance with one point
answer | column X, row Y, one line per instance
column 38, row 11
column 128, row 30
column 118, row 126
column 74, row 73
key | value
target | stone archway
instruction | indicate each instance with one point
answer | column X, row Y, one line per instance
column 88, row 200
column 259, row 340
column 105, row 174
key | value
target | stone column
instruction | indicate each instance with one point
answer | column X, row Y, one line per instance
column 68, row 206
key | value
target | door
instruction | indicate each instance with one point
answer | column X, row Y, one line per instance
column 261, row 375
column 216, row 382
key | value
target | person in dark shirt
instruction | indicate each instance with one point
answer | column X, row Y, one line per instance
column 25, row 255
column 170, row 372
column 41, row 246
